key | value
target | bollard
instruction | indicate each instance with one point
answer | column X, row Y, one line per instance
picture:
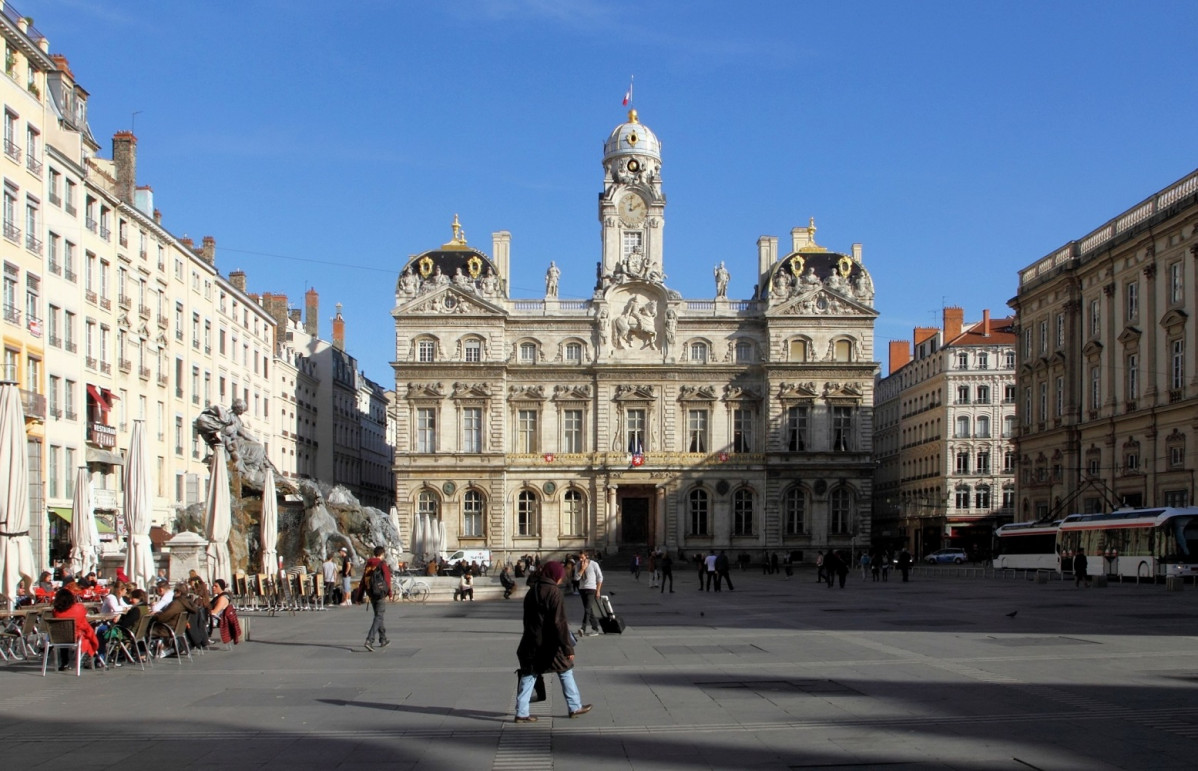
column 1173, row 583
column 245, row 627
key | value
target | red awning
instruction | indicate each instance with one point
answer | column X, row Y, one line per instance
column 97, row 393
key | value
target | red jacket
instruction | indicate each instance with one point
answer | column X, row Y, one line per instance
column 373, row 564
column 83, row 630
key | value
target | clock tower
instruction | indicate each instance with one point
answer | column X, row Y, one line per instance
column 632, row 206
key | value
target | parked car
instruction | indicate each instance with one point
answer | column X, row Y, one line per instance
column 956, row 556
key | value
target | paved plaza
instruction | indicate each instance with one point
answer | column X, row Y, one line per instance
column 776, row 674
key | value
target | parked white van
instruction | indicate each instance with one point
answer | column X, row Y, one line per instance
column 481, row 556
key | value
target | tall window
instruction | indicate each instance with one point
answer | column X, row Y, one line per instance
column 1177, row 364
column 1060, row 331
column 962, row 497
column 68, row 467
column 963, row 463
column 573, row 512
column 1095, row 317
column 573, row 353
column 12, row 312
column 635, row 431
column 472, row 514
column 794, row 508
column 963, row 360
column 983, row 427
column 796, row 429
column 742, row 430
column 742, row 512
column 840, row 510
column 426, row 351
column 743, row 352
column 528, row 353
column 1176, row 284
column 472, row 429
column 983, row 394
column 572, row 431
column 428, row 505
column 1095, row 387
column 52, row 472
column 526, row 431
column 1133, row 300
column 696, row 427
column 528, row 514
column 473, row 351
column 426, row 429
column 963, row 394
column 842, row 428
column 982, row 497
column 698, row 352
column 633, row 240
column 983, row 465
column 962, row 427
column 697, row 503
column 1059, row 398
column 1133, row 376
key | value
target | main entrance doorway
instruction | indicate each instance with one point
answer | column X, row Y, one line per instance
column 636, row 515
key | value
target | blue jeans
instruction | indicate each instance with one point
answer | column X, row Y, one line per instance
column 569, row 690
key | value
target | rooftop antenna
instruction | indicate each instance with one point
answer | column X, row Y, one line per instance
column 133, row 122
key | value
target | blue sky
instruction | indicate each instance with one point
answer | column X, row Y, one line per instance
column 321, row 144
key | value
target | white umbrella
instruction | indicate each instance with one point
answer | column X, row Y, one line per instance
column 394, row 516
column 418, row 536
column 85, row 540
column 139, row 558
column 217, row 517
column 441, row 536
column 16, row 550
column 269, row 524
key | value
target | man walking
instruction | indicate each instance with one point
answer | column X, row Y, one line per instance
column 589, row 586
column 376, row 587
column 667, row 571
column 722, row 571
column 545, row 645
column 1080, row 568
column 712, row 575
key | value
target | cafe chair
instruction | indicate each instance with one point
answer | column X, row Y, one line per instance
column 60, row 634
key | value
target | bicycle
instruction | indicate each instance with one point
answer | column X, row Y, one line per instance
column 407, row 587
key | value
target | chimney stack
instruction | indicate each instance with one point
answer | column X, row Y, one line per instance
column 954, row 320
column 799, row 238
column 124, row 161
column 237, row 279
column 986, row 323
column 276, row 306
column 900, row 355
column 208, row 252
column 312, row 313
column 338, row 330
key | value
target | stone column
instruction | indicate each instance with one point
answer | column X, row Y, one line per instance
column 659, row 506
column 609, row 538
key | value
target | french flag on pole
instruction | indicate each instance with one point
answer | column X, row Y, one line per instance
column 628, row 93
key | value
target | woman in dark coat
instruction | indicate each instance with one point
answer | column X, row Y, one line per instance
column 546, row 645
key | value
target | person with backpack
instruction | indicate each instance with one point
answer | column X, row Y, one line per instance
column 376, row 587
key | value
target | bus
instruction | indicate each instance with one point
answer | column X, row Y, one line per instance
column 1027, row 546
column 1137, row 543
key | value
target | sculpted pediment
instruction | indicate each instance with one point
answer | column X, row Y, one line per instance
column 797, row 391
column 851, row 390
column 635, row 392
column 450, row 300
column 735, row 393
column 696, row 393
column 471, row 390
column 426, row 391
column 529, row 392
column 820, row 302
column 571, row 393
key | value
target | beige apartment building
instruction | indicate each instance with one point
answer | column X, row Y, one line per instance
column 1107, row 382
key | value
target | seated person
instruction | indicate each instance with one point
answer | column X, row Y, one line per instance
column 165, row 596
column 179, row 605
column 465, row 587
column 225, row 614
column 71, row 585
column 88, row 582
column 44, row 584
column 114, row 602
column 136, row 609
column 199, row 591
column 509, row 583
column 221, row 600
column 66, row 605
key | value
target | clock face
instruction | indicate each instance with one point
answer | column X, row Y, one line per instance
column 632, row 210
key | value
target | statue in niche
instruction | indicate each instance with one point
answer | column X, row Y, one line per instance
column 602, row 322
column 671, row 325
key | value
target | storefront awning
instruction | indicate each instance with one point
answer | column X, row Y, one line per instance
column 95, row 455
column 62, row 512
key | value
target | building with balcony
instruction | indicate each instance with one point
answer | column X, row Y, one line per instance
column 1107, row 383
column 944, row 441
column 636, row 418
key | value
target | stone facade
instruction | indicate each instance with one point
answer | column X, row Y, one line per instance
column 1107, row 380
column 636, row 418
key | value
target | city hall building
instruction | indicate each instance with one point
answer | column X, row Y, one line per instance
column 637, row 418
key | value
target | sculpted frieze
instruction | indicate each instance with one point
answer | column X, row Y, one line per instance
column 696, row 393
column 536, row 392
column 471, row 390
column 568, row 392
column 797, row 390
column 426, row 391
column 626, row 391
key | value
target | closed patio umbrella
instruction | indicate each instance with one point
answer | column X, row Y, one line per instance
column 217, row 517
column 16, row 550
column 269, row 524
column 139, row 558
column 418, row 537
column 394, row 517
column 85, row 540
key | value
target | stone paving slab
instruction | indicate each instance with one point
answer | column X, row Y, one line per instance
column 778, row 674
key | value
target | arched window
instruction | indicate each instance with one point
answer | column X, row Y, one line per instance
column 743, row 351
column 794, row 511
column 528, row 514
column 963, row 427
column 840, row 511
column 573, row 353
column 473, row 515
column 983, row 426
column 698, row 352
column 426, row 350
column 742, row 512
column 472, row 351
column 428, row 504
column 698, row 504
column 528, row 353
column 797, row 350
column 573, row 511
column 843, row 351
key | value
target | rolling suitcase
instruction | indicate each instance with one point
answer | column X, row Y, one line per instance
column 610, row 623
